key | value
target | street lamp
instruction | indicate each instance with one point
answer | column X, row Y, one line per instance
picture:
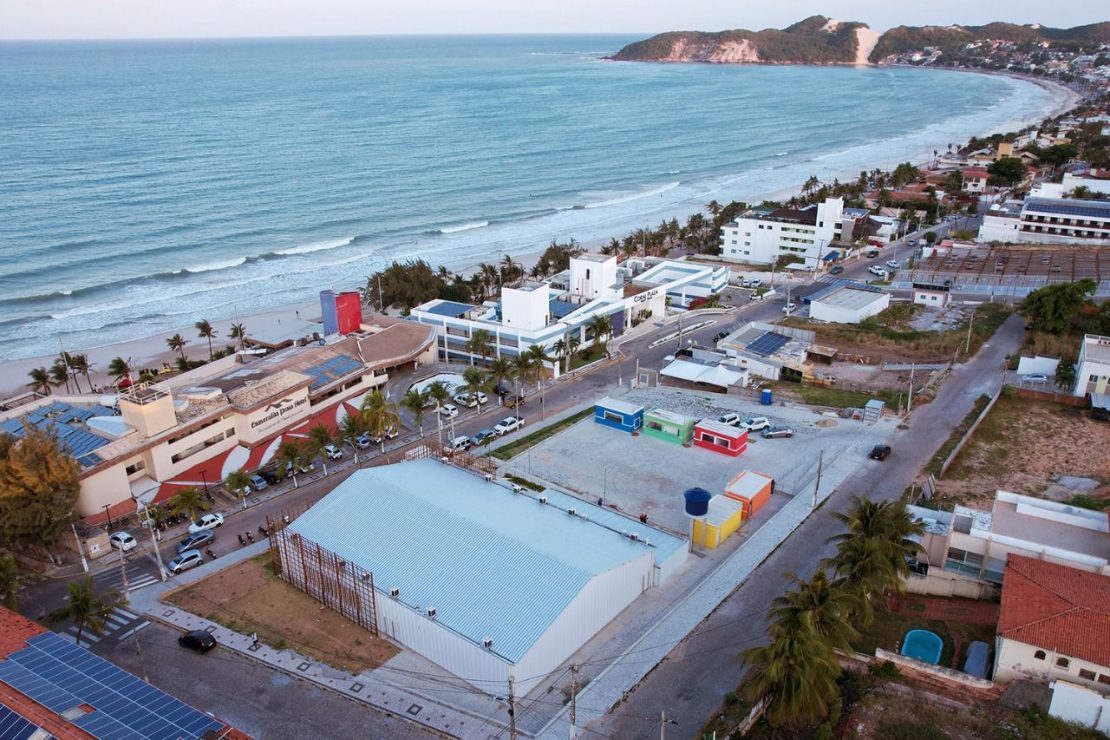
column 108, row 511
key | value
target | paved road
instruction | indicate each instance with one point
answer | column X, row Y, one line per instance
column 690, row 683
column 254, row 698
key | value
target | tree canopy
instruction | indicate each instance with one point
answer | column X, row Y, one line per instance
column 38, row 488
column 1006, row 171
column 1054, row 306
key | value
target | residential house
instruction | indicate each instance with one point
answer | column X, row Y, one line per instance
column 1092, row 371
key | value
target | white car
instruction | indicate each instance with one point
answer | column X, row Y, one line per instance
column 363, row 441
column 471, row 400
column 892, row 264
column 753, row 283
column 790, row 308
column 1034, row 378
column 756, row 423
column 732, row 419
column 876, row 270
column 208, row 521
column 390, row 433
column 508, row 424
column 449, row 411
column 333, row 452
column 460, row 443
column 123, row 541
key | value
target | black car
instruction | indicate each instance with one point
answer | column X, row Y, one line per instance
column 836, row 269
column 270, row 476
column 198, row 640
column 195, row 540
column 879, row 452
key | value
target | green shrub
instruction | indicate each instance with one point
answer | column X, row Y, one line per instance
column 886, row 670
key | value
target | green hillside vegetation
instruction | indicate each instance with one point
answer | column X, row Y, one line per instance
column 802, row 43
column 951, row 39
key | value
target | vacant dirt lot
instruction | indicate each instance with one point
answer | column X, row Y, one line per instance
column 248, row 598
column 1022, row 445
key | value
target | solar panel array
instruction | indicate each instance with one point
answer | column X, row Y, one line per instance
column 451, row 309
column 329, row 370
column 559, row 309
column 60, row 418
column 62, row 676
column 1086, row 209
column 768, row 343
column 14, row 727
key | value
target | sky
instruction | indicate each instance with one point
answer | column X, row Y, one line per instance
column 108, row 19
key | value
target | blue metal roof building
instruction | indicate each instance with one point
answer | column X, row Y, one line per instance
column 516, row 584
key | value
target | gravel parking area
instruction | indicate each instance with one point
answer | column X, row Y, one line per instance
column 641, row 474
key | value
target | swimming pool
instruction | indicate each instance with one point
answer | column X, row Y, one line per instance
column 922, row 645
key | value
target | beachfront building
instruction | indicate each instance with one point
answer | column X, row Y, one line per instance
column 975, row 180
column 564, row 308
column 150, row 441
column 1048, row 221
column 762, row 235
column 1092, row 371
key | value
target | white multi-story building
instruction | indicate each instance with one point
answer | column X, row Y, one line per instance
column 564, row 308
column 762, row 235
column 1049, row 221
column 1092, row 370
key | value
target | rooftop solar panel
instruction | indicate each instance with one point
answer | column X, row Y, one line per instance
column 768, row 343
column 451, row 309
column 1088, row 209
column 14, row 726
column 61, row 676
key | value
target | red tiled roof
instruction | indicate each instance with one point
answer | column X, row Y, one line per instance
column 976, row 172
column 1056, row 608
column 15, row 631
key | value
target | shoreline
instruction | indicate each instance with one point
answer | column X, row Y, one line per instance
column 150, row 351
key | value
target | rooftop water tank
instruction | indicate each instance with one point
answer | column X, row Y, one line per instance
column 697, row 502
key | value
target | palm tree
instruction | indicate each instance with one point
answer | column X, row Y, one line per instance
column 190, row 502
column 864, row 570
column 239, row 331
column 560, row 350
column 59, row 374
column 538, row 356
column 714, row 208
column 574, row 343
column 290, row 457
column 350, row 429
column 319, row 437
column 889, row 524
column 500, row 369
column 238, row 483
column 177, row 344
column 40, row 380
column 522, row 367
column 601, row 325
column 796, row 671
column 205, row 331
column 79, row 365
column 380, row 415
column 87, row 609
column 480, row 343
column 439, row 393
column 120, row 368
column 415, row 402
column 474, row 382
column 820, row 605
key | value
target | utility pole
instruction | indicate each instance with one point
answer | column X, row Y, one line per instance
column 80, row 547
column 154, row 542
column 573, row 715
column 663, row 722
column 123, row 571
column 909, row 399
column 967, row 344
column 512, row 710
column 817, row 484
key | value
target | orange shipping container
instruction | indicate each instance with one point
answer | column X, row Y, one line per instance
column 751, row 489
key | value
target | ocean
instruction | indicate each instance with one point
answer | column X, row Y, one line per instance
column 147, row 185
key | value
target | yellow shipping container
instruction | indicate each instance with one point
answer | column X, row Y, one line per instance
column 722, row 520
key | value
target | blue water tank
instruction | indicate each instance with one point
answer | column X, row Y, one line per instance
column 765, row 397
column 697, row 501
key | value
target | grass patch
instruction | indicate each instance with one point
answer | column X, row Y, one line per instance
column 585, row 357
column 888, row 332
column 520, row 444
column 818, row 395
column 526, row 483
column 933, row 466
column 890, row 627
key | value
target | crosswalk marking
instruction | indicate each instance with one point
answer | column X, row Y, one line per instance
column 116, row 620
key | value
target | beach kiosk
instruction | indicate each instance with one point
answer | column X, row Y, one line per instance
column 669, row 426
column 723, row 438
column 620, row 415
column 751, row 490
column 722, row 519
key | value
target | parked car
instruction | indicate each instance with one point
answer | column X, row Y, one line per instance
column 307, row 467
column 122, row 540
column 879, row 452
column 480, row 438
column 258, row 483
column 753, row 283
column 515, row 401
column 363, row 441
column 470, row 400
column 390, row 433
column 184, row 561
column 912, row 242
column 719, row 336
column 836, row 269
column 1034, row 378
column 198, row 640
column 872, row 254
column 271, row 476
column 790, row 308
column 731, row 419
column 196, row 540
column 460, row 443
column 879, row 271
column 773, row 432
column 756, row 423
column 508, row 424
column 208, row 521
column 333, row 452
column 893, row 264
column 448, row 411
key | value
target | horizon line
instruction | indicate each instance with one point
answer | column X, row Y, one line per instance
column 294, row 37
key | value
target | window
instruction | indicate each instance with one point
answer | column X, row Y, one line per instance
column 1103, row 678
column 1039, row 655
column 135, row 467
column 1062, row 662
column 1086, row 675
column 614, row 417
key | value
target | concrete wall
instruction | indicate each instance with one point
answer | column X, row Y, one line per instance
column 1015, row 660
column 1073, row 703
column 1037, row 364
column 105, row 487
column 948, row 675
column 941, row 582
